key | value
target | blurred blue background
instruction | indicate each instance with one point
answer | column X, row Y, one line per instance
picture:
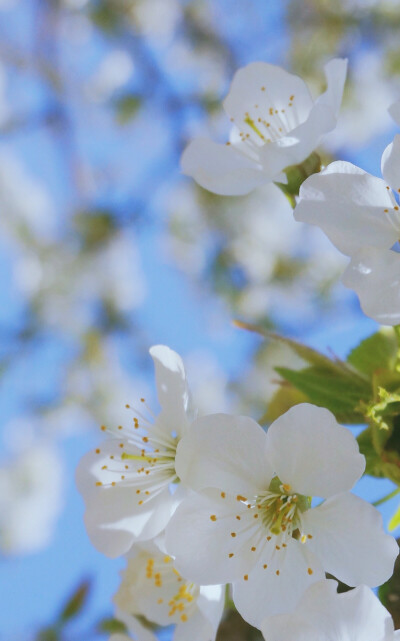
column 105, row 249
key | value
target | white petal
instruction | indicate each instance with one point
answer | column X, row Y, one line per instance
column 225, row 452
column 324, row 615
column 267, row 86
column 312, row 453
column 114, row 522
column 266, row 593
column 172, row 390
column 349, row 204
column 348, row 537
column 390, row 164
column 201, row 546
column 394, row 111
column 374, row 274
column 196, row 628
column 222, row 169
column 138, row 631
column 335, row 72
column 210, row 602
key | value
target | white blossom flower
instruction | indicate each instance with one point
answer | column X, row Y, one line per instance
column 252, row 522
column 361, row 216
column 153, row 588
column 324, row 615
column 31, row 488
column 276, row 124
column 128, row 482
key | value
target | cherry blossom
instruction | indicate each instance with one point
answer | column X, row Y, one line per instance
column 128, row 482
column 360, row 214
column 324, row 615
column 276, row 124
column 153, row 588
column 253, row 522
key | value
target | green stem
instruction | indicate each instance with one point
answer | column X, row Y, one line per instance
column 386, row 498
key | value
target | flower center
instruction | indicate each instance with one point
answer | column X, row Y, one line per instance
column 281, row 509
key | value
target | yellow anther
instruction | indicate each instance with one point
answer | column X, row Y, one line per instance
column 213, row 517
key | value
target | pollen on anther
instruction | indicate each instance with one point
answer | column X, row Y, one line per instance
column 241, row 498
column 103, row 428
column 223, row 495
column 268, row 538
column 277, row 547
column 98, row 483
column 113, row 483
column 127, row 406
column 142, row 400
column 309, row 571
column 104, row 467
column 277, row 573
column 265, row 566
column 238, row 517
column 386, row 211
column 183, row 617
column 253, row 549
column 160, row 601
column 213, row 517
column 137, row 491
column 121, row 445
column 97, row 451
column 140, row 502
column 246, row 577
column 233, row 534
column 256, row 516
column 309, row 536
column 230, row 555
column 396, row 208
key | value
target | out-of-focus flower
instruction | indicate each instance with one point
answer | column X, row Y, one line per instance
column 276, row 124
column 153, row 588
column 252, row 522
column 113, row 72
column 30, row 499
column 126, row 484
column 360, row 215
column 324, row 615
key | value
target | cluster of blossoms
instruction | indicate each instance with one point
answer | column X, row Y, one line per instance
column 199, row 502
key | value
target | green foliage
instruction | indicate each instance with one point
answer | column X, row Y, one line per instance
column 76, row 602
column 329, row 389
column 379, row 351
column 364, row 389
column 111, row 626
column 297, row 174
column 126, row 107
column 395, row 520
column 389, row 594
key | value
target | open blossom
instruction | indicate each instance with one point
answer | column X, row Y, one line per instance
column 252, row 522
column 127, row 483
column 324, row 615
column 361, row 215
column 153, row 588
column 276, row 124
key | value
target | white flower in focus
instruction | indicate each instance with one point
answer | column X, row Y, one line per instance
column 276, row 124
column 30, row 500
column 153, row 588
column 361, row 216
column 324, row 615
column 127, row 482
column 252, row 522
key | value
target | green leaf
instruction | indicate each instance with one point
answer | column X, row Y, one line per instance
column 328, row 389
column 378, row 351
column 126, row 108
column 48, row 634
column 308, row 354
column 284, row 398
column 297, row 174
column 76, row 602
column 389, row 593
column 395, row 520
column 111, row 626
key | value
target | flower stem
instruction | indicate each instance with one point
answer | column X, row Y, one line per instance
column 387, row 497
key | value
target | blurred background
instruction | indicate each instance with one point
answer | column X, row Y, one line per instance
column 106, row 249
